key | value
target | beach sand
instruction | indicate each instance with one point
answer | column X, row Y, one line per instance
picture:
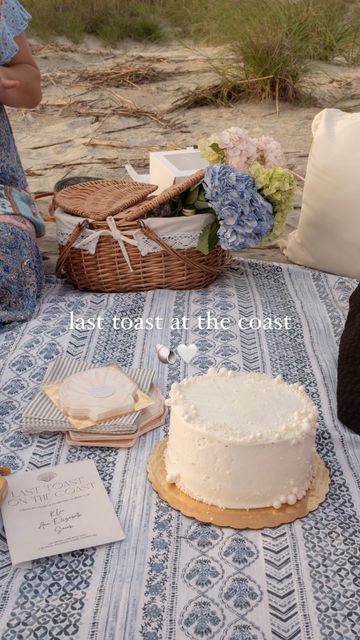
column 89, row 127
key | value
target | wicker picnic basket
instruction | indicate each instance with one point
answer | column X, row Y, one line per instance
column 111, row 269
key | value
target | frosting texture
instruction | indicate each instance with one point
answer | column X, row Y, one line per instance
column 240, row 440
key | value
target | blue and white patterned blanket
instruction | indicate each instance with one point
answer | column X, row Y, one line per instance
column 172, row 577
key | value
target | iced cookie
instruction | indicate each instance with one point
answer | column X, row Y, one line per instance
column 98, row 394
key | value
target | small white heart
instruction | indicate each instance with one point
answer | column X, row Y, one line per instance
column 187, row 352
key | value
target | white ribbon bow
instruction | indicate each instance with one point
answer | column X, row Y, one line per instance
column 113, row 231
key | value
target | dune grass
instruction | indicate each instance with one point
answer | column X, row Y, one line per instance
column 270, row 39
column 272, row 44
column 332, row 26
column 110, row 20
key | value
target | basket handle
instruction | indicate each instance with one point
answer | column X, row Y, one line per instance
column 42, row 194
column 151, row 235
column 65, row 250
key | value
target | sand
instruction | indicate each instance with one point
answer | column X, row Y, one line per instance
column 88, row 127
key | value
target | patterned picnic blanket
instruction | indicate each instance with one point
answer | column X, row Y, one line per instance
column 172, row 577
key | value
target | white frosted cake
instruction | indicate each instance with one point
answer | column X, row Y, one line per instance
column 240, row 440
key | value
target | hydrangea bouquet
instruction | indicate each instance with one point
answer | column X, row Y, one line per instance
column 248, row 189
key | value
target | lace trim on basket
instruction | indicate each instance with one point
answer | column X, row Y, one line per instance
column 63, row 237
column 176, row 241
column 145, row 246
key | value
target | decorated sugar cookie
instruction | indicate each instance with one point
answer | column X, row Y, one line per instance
column 98, row 394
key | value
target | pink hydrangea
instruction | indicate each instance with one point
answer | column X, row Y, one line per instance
column 240, row 150
column 269, row 152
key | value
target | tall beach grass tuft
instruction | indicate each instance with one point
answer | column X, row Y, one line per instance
column 277, row 40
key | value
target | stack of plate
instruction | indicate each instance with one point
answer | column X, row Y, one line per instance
column 42, row 415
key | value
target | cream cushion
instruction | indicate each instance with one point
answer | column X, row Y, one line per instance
column 328, row 235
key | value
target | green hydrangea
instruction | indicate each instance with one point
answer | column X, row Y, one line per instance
column 278, row 186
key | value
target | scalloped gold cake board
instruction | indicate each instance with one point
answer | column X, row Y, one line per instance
column 236, row 518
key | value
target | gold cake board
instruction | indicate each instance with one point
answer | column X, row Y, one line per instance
column 236, row 518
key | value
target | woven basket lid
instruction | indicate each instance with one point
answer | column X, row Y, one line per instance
column 173, row 192
column 99, row 199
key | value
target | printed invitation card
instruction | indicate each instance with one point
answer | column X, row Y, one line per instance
column 56, row 510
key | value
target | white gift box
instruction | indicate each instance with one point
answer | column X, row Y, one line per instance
column 169, row 167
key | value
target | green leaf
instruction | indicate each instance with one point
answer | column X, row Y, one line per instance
column 209, row 237
column 196, row 186
column 203, row 206
column 215, row 147
column 192, row 195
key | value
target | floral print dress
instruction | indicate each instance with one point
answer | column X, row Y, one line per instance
column 21, row 270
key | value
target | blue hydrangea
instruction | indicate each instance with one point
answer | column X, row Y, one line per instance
column 245, row 216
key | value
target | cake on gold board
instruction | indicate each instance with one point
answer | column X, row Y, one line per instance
column 240, row 443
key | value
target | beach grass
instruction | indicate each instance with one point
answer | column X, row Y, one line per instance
column 328, row 27
column 268, row 43
column 110, row 20
column 271, row 44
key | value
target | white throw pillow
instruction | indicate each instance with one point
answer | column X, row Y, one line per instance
column 328, row 235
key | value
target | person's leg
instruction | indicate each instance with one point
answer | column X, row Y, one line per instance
column 21, row 274
column 348, row 385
